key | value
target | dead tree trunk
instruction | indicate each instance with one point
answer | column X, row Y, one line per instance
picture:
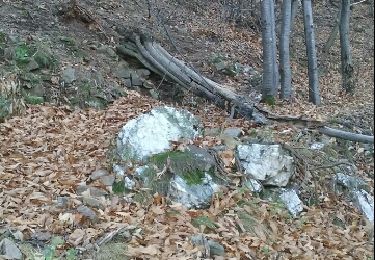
column 269, row 88
column 314, row 93
column 332, row 36
column 285, row 70
column 346, row 56
column 158, row 60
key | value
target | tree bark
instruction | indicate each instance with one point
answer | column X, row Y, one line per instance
column 346, row 135
column 274, row 46
column 314, row 92
column 158, row 60
column 293, row 15
column 285, row 70
column 346, row 56
column 332, row 36
column 268, row 88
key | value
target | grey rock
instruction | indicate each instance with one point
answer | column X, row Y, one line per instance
column 350, row 182
column 63, row 202
column 123, row 70
column 154, row 93
column 92, row 202
column 203, row 160
column 317, row 146
column 136, row 79
column 143, row 73
column 230, row 142
column 269, row 164
column 97, row 192
column 107, row 50
column 98, row 174
column 107, row 180
column 216, row 249
column 9, row 249
column 152, row 133
column 68, row 75
column 127, row 82
column 87, row 212
column 9, row 53
column 91, row 191
column 129, row 183
column 292, row 202
column 232, row 132
column 253, row 185
column 119, row 170
column 148, row 84
column 41, row 235
column 191, row 196
column 221, row 65
column 32, row 65
column 365, row 203
column 212, row 131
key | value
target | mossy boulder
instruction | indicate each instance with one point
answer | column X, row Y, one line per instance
column 187, row 177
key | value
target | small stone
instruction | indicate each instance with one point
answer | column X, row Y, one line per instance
column 220, row 65
column 87, row 212
column 119, row 170
column 253, row 185
column 154, row 94
column 92, row 202
column 230, row 142
column 96, row 192
column 216, row 249
column 292, row 201
column 41, row 235
column 148, row 84
column 68, row 75
column 127, row 83
column 365, row 203
column 212, row 131
column 129, row 183
column 63, row 202
column 136, row 79
column 32, row 65
column 143, row 73
column 104, row 49
column 107, row 180
column 9, row 249
column 232, row 132
column 81, row 189
column 98, row 174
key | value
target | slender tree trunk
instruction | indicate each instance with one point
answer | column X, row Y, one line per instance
column 332, row 37
column 346, row 56
column 268, row 88
column 293, row 15
column 274, row 46
column 314, row 93
column 285, row 70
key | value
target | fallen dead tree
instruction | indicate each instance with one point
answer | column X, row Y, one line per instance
column 157, row 59
column 346, row 135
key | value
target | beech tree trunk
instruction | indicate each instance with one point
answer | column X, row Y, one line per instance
column 268, row 41
column 274, row 47
column 314, row 92
column 285, row 70
column 294, row 11
column 346, row 56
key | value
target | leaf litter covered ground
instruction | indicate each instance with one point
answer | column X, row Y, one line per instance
column 49, row 151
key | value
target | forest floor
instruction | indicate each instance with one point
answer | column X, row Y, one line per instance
column 48, row 150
